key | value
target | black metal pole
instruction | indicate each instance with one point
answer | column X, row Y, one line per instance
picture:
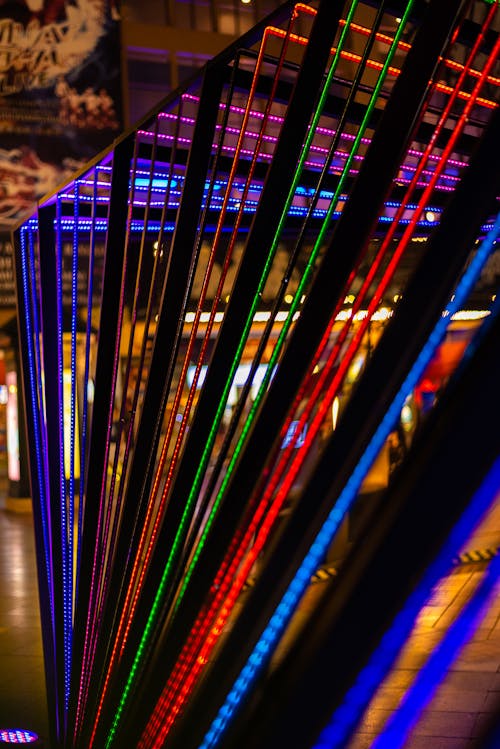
column 33, row 416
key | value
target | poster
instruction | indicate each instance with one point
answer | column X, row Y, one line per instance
column 60, row 95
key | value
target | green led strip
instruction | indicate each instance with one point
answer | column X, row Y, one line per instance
column 303, row 282
column 298, row 295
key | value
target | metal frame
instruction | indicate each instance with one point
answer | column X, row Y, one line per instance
column 272, row 149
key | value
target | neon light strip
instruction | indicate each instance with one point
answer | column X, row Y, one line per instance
column 40, row 431
column 365, row 31
column 158, row 253
column 203, row 656
column 204, row 621
column 349, row 354
column 270, row 366
column 235, row 204
column 229, row 252
column 32, row 337
column 208, row 271
column 163, row 177
column 297, row 587
column 346, row 717
column 242, row 545
column 327, row 131
column 86, row 376
column 113, row 503
column 312, row 164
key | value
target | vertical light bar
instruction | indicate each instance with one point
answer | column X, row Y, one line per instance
column 347, row 356
column 88, row 337
column 73, row 420
column 66, row 592
column 189, row 504
column 91, row 615
column 183, row 522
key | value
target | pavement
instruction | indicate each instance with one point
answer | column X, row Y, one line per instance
column 453, row 719
column 469, row 695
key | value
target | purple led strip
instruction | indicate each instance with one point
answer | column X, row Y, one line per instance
column 83, row 445
column 66, row 575
column 335, row 169
column 322, row 130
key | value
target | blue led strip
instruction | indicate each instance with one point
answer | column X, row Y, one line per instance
column 300, row 582
column 396, row 731
column 86, row 225
column 31, row 337
column 66, row 592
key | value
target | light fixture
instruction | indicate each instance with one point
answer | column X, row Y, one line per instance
column 18, row 736
column 335, row 411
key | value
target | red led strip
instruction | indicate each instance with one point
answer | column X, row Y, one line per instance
column 203, row 654
column 394, row 71
column 387, row 39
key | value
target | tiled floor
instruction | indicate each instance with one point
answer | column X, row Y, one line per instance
column 22, row 687
column 470, row 693
column 452, row 721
